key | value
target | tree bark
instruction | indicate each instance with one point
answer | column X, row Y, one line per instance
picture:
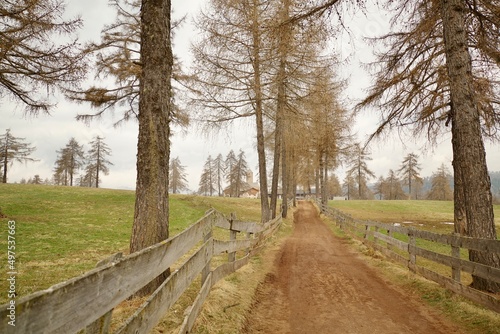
column 469, row 157
column 153, row 148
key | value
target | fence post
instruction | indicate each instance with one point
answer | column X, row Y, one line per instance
column 374, row 235
column 101, row 325
column 455, row 253
column 249, row 236
column 206, row 271
column 390, row 233
column 367, row 232
column 232, row 236
column 412, row 244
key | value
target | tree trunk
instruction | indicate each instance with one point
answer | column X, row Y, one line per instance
column 276, row 167
column 469, row 157
column 284, row 176
column 153, row 148
column 5, row 157
column 321, row 170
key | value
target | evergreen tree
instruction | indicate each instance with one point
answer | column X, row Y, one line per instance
column 13, row 149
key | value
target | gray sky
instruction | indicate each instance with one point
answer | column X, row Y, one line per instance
column 50, row 133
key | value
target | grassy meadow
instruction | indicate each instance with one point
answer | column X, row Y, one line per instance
column 62, row 232
column 434, row 216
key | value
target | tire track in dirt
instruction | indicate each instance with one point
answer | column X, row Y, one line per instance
column 319, row 286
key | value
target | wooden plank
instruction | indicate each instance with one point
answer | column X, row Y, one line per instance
column 228, row 268
column 195, row 309
column 151, row 312
column 224, row 246
column 221, row 221
column 392, row 241
column 101, row 325
column 100, row 290
column 477, row 296
column 391, row 255
column 486, row 245
column 475, row 268
column 249, row 227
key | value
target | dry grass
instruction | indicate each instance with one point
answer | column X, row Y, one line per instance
column 226, row 307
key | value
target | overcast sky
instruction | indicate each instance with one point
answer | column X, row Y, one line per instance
column 51, row 133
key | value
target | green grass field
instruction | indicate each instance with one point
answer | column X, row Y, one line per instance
column 429, row 215
column 62, row 232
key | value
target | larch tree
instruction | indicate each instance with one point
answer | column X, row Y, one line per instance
column 117, row 57
column 208, row 180
column 97, row 159
column 359, row 171
column 327, row 121
column 33, row 61
column 441, row 68
column 230, row 66
column 410, row 171
column 236, row 169
column 13, row 149
column 151, row 217
column 219, row 166
column 349, row 187
column 178, row 177
column 69, row 160
column 469, row 157
column 441, row 190
column 298, row 58
column 392, row 189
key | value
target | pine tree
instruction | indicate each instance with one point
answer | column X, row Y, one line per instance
column 13, row 149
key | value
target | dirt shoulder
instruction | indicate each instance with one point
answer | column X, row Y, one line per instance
column 318, row 285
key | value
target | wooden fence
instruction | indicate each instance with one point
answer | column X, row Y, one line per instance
column 408, row 247
column 85, row 304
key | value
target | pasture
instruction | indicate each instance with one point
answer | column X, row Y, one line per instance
column 436, row 216
column 62, row 232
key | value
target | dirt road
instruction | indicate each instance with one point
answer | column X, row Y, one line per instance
column 319, row 286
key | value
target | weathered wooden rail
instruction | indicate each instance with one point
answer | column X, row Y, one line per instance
column 406, row 245
column 85, row 304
